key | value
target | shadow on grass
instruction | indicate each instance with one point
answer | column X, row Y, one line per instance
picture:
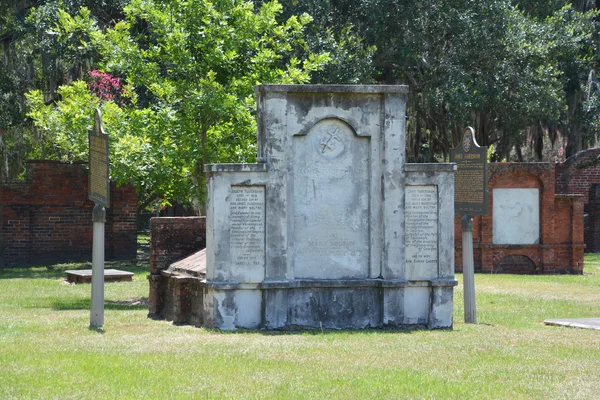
column 140, row 264
column 97, row 329
column 57, row 271
column 49, row 272
column 84, row 304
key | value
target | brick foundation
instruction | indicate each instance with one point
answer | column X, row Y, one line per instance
column 48, row 217
column 516, row 265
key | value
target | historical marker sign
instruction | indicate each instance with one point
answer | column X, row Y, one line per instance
column 99, row 193
column 470, row 179
column 99, row 183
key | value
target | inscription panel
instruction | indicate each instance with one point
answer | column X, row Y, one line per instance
column 331, row 202
column 98, row 178
column 464, row 178
column 247, row 232
column 421, row 231
column 98, row 167
column 470, row 178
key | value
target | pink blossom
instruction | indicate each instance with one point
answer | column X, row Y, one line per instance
column 105, row 86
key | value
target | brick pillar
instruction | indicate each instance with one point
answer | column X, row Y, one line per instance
column 181, row 299
column 547, row 215
column 156, row 298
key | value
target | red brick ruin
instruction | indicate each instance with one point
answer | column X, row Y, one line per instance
column 48, row 217
column 560, row 248
column 567, row 191
column 580, row 174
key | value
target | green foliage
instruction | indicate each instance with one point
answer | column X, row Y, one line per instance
column 37, row 57
column 60, row 127
column 332, row 32
column 511, row 69
column 515, row 70
column 190, row 70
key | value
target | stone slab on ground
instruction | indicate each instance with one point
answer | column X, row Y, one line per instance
column 110, row 275
column 586, row 323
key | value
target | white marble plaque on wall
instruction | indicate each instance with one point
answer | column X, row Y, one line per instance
column 516, row 216
column 421, row 231
column 247, row 231
column 330, row 238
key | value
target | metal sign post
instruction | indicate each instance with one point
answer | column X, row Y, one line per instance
column 468, row 269
column 97, row 303
column 470, row 198
column 99, row 193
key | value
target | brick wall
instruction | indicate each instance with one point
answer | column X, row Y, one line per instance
column 173, row 238
column 48, row 217
column 578, row 173
column 592, row 229
column 560, row 248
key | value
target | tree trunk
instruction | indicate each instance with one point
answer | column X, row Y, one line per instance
column 518, row 151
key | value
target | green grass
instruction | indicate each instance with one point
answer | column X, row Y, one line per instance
column 47, row 350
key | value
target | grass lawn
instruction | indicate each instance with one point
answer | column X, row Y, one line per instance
column 48, row 351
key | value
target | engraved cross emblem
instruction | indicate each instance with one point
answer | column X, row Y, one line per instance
column 331, row 141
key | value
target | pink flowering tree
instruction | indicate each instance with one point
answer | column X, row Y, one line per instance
column 106, row 87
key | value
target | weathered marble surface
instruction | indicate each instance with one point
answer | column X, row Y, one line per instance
column 330, row 228
column 516, row 216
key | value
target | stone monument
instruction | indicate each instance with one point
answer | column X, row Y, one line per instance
column 330, row 228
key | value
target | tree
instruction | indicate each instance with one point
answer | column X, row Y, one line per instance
column 35, row 58
column 351, row 59
column 512, row 69
column 189, row 70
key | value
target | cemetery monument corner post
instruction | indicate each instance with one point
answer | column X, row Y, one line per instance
column 470, row 198
column 99, row 193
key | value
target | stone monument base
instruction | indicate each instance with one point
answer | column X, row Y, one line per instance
column 305, row 304
column 337, row 304
column 182, row 294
